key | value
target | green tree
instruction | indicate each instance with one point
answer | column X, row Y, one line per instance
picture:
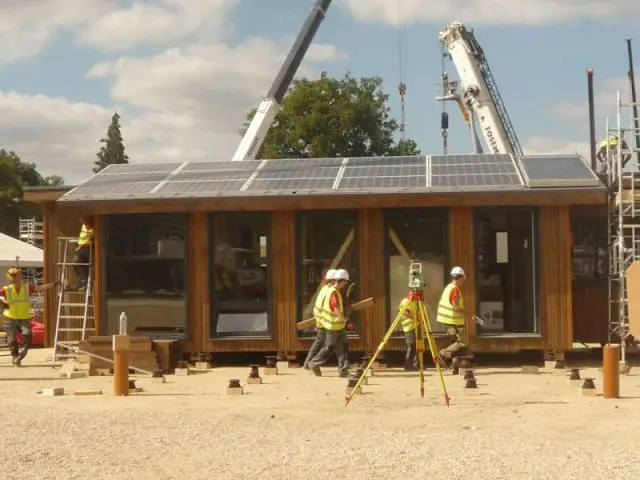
column 53, row 180
column 112, row 150
column 14, row 176
column 332, row 117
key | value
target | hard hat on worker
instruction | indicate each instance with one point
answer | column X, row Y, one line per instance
column 331, row 274
column 457, row 272
column 342, row 274
column 12, row 273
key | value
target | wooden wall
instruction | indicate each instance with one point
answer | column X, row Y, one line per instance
column 555, row 283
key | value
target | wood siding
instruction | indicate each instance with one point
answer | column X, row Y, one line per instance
column 555, row 284
column 56, row 223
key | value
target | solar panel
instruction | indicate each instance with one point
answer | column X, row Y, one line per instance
column 474, row 171
column 386, row 161
column 247, row 165
column 110, row 191
column 127, row 168
column 297, row 174
column 293, row 184
column 382, row 182
column 557, row 171
column 202, row 188
column 183, row 176
column 120, row 178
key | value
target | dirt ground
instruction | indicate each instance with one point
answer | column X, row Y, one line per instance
column 295, row 426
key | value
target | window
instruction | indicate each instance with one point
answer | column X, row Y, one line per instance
column 589, row 249
column 240, row 280
column 416, row 236
column 146, row 271
column 506, row 255
column 326, row 239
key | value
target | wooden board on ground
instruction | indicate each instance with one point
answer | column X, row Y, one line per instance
column 633, row 293
column 361, row 305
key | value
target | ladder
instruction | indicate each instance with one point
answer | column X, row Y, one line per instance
column 624, row 228
column 75, row 312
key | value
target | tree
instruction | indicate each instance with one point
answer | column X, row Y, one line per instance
column 330, row 117
column 53, row 181
column 112, row 150
column 14, row 176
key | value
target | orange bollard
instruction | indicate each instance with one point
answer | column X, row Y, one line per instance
column 121, row 347
column 611, row 371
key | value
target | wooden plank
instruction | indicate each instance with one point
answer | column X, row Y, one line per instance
column 373, row 281
column 361, row 305
column 199, row 291
column 633, row 287
column 284, row 288
column 344, row 202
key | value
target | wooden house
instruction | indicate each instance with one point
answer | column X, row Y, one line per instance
column 229, row 255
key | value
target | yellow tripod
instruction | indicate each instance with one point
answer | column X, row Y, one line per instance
column 416, row 307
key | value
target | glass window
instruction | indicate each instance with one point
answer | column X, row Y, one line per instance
column 506, row 271
column 416, row 236
column 589, row 248
column 240, row 280
column 326, row 239
column 146, row 271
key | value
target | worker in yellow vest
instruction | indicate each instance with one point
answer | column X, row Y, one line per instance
column 452, row 313
column 409, row 329
column 82, row 254
column 334, row 320
column 17, row 312
column 611, row 145
column 318, row 342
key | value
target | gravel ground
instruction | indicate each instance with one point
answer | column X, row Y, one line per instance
column 295, row 426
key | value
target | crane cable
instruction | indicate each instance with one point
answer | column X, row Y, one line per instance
column 444, row 116
column 402, row 87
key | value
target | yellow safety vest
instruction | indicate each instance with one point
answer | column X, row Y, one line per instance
column 86, row 236
column 446, row 314
column 19, row 305
column 331, row 321
column 611, row 142
column 407, row 322
column 317, row 307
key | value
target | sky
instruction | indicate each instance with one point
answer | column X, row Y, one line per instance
column 183, row 73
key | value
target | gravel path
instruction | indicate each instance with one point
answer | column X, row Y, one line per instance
column 295, row 426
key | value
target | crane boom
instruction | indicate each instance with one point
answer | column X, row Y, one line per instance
column 271, row 104
column 480, row 89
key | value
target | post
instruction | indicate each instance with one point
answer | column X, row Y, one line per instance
column 121, row 348
column 634, row 100
column 611, row 371
column 592, row 119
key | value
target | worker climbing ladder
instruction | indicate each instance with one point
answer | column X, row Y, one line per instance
column 624, row 228
column 75, row 309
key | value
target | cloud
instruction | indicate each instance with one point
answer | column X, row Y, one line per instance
column 186, row 103
column 494, row 12
column 27, row 26
column 605, row 101
column 164, row 22
column 551, row 146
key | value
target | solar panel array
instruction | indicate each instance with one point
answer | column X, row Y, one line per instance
column 475, row 171
column 557, row 171
column 333, row 175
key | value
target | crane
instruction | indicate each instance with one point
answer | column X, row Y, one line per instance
column 272, row 103
column 480, row 90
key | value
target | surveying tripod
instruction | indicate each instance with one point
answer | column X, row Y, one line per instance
column 420, row 318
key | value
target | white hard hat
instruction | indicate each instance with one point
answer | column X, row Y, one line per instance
column 331, row 274
column 457, row 271
column 342, row 274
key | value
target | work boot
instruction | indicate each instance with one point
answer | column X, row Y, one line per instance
column 456, row 366
column 344, row 373
column 443, row 358
column 316, row 371
column 16, row 361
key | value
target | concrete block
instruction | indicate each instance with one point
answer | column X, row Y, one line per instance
column 254, row 380
column 158, row 380
column 588, row 392
column 270, row 371
column 182, row 372
column 574, row 383
column 282, row 365
column 203, row 365
column 52, row 392
column 235, row 391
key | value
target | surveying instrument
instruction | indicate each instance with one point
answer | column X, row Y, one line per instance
column 416, row 308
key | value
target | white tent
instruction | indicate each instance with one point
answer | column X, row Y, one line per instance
column 10, row 248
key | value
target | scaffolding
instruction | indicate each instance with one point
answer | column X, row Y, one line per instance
column 624, row 226
column 30, row 231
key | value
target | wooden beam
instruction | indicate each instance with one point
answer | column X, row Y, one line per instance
column 361, row 305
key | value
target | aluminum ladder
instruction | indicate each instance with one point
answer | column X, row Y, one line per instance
column 75, row 311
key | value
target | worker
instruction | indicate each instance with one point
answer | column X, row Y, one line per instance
column 334, row 321
column 82, row 254
column 17, row 312
column 409, row 329
column 452, row 313
column 318, row 342
column 610, row 144
column 347, row 292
